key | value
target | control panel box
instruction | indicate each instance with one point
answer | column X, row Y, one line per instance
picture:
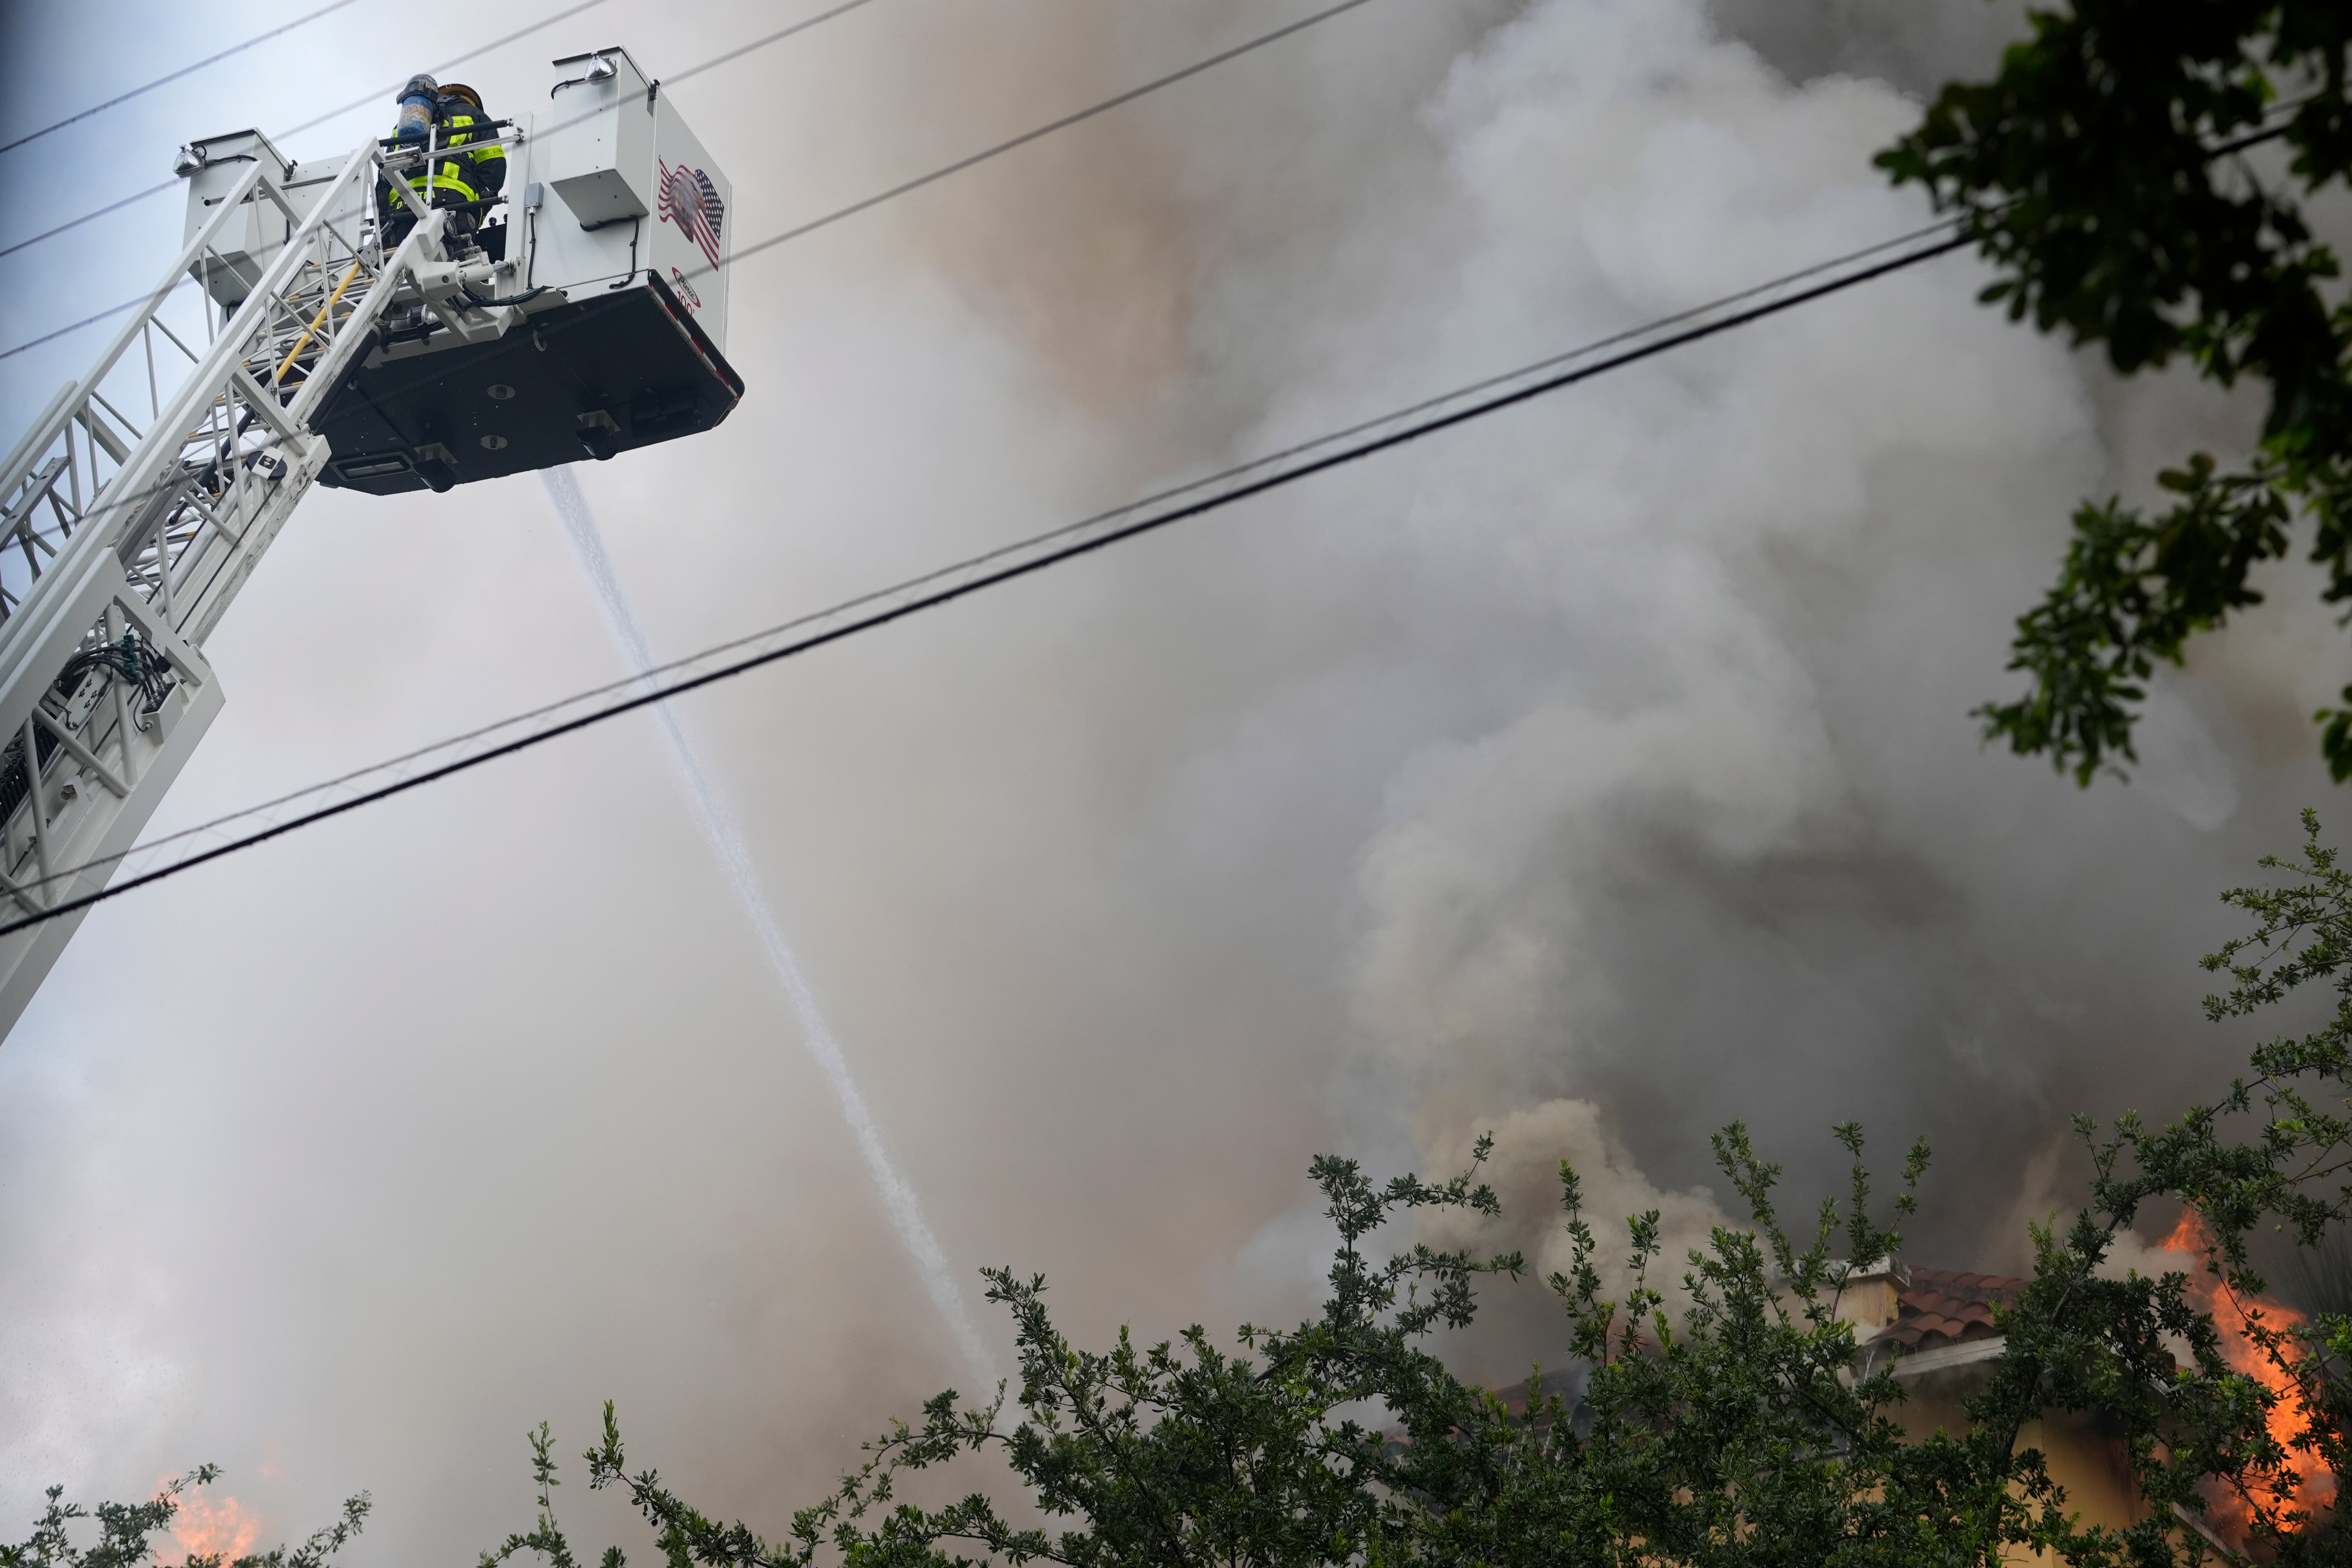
column 212, row 168
column 625, row 186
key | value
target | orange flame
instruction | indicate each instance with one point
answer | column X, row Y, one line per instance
column 2316, row 1488
column 207, row 1527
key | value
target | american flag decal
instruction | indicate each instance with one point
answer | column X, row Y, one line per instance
column 689, row 200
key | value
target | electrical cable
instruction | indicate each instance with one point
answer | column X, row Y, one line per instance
column 385, row 93
column 131, row 200
column 961, row 164
column 150, row 299
column 715, row 61
column 1008, row 562
column 528, row 295
column 476, row 53
column 910, row 595
column 2241, row 144
column 92, row 216
column 1129, row 96
column 175, row 76
column 693, row 70
column 1001, row 148
column 2252, row 139
column 796, row 232
column 483, row 302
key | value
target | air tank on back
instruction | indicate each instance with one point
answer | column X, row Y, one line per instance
column 589, row 319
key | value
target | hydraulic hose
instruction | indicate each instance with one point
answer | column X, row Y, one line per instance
column 525, row 298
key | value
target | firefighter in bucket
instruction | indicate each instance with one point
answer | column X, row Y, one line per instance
column 462, row 176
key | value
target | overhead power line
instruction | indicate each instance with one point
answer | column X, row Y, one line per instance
column 71, row 327
column 182, row 851
column 904, row 188
column 777, row 37
column 2240, row 144
column 136, row 196
column 124, row 98
column 383, row 94
column 133, row 199
column 693, row 70
column 1064, row 123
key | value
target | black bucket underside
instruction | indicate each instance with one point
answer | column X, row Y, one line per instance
column 589, row 378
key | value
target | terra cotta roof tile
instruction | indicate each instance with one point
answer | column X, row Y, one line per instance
column 1942, row 1307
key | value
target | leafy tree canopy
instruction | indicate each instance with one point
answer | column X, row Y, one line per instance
column 2138, row 172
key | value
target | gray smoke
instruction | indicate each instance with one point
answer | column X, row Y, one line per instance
column 1594, row 775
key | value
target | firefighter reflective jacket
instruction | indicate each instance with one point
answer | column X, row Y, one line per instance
column 462, row 173
column 472, row 174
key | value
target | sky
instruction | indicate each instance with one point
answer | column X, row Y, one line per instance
column 1593, row 775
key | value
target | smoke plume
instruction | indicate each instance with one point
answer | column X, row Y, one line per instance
column 1594, row 775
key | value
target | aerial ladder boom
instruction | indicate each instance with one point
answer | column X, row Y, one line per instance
column 138, row 504
column 128, row 538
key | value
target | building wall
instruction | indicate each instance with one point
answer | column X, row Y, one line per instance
column 2089, row 1462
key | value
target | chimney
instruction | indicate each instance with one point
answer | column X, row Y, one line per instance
column 1871, row 1299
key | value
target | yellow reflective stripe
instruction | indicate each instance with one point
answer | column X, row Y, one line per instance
column 455, row 153
column 458, row 143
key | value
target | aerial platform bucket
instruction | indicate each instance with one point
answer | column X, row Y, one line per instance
column 585, row 318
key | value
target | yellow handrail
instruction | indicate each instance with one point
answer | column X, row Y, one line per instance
column 304, row 340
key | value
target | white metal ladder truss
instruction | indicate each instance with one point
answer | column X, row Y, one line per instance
column 122, row 542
